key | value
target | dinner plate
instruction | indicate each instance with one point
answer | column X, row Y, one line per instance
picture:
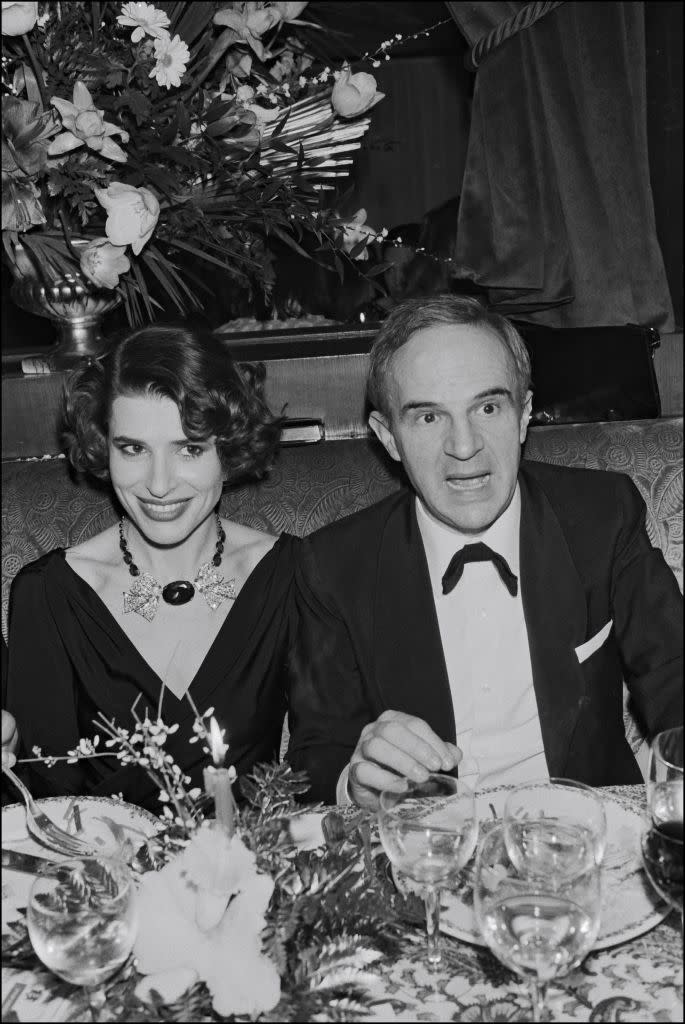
column 107, row 824
column 630, row 906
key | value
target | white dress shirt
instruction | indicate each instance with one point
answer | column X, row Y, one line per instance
column 487, row 656
column 485, row 643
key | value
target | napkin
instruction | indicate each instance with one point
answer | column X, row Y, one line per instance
column 205, row 911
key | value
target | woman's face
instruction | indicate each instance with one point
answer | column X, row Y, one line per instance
column 167, row 484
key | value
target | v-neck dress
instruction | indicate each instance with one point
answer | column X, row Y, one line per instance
column 70, row 659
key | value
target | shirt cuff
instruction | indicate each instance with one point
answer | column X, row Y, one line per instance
column 342, row 792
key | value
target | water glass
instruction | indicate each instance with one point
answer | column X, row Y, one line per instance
column 554, row 826
column 82, row 921
column 540, row 926
column 662, row 845
column 429, row 833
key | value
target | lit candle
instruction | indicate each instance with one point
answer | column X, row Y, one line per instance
column 219, row 781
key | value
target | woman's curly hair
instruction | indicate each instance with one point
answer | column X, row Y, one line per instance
column 215, row 397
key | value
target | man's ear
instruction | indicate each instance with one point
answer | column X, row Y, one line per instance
column 525, row 416
column 381, row 428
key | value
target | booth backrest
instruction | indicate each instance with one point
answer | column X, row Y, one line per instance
column 44, row 507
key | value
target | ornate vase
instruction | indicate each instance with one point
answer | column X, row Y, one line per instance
column 70, row 301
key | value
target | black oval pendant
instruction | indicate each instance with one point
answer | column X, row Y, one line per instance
column 178, row 592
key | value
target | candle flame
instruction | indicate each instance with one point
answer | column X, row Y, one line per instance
column 216, row 739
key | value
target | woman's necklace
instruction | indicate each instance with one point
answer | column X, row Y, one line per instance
column 143, row 597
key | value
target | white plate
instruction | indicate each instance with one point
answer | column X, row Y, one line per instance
column 630, row 906
column 107, row 823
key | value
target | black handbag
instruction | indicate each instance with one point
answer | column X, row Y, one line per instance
column 588, row 374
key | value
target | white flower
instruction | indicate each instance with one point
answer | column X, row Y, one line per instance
column 132, row 214
column 260, row 19
column 85, row 126
column 354, row 94
column 172, row 57
column 145, row 20
column 353, row 231
column 18, row 18
column 289, row 10
column 244, row 94
column 249, row 23
column 102, row 263
column 207, row 901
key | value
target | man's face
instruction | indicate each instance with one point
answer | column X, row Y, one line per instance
column 455, row 423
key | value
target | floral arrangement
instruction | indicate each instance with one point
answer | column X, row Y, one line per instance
column 283, row 918
column 143, row 144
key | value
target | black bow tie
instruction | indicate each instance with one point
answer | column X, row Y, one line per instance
column 478, row 553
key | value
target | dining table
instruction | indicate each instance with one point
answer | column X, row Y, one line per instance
column 638, row 979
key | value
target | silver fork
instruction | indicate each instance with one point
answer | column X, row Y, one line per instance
column 44, row 830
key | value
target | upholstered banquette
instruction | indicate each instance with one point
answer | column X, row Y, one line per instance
column 44, row 507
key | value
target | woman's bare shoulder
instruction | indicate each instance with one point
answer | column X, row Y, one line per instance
column 247, row 544
column 96, row 558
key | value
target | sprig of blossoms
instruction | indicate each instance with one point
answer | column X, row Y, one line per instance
column 143, row 746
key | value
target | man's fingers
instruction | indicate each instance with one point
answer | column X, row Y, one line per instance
column 455, row 752
column 368, row 780
column 410, row 736
column 389, row 754
column 8, row 758
column 444, row 750
column 9, row 726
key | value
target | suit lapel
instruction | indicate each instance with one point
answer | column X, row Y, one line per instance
column 555, row 611
column 408, row 657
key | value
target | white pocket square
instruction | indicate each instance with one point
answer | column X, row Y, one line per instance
column 594, row 643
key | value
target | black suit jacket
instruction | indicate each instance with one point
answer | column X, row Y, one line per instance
column 368, row 637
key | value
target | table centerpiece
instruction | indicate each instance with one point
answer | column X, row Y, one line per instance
column 268, row 912
column 145, row 145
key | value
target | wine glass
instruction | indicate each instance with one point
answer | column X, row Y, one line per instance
column 662, row 845
column 429, row 832
column 539, row 925
column 82, row 921
column 543, row 821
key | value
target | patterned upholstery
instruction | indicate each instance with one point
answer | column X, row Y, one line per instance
column 43, row 507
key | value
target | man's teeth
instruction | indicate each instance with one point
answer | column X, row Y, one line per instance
column 471, row 483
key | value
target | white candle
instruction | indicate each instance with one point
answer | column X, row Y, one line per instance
column 218, row 784
column 219, row 781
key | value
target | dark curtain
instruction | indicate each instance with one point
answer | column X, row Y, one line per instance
column 556, row 204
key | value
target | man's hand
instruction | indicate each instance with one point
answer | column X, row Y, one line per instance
column 10, row 739
column 394, row 748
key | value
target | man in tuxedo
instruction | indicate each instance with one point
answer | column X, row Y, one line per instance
column 484, row 618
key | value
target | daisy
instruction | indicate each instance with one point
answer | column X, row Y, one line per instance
column 172, row 56
column 145, row 20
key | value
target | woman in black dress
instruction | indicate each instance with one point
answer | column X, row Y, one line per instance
column 173, row 602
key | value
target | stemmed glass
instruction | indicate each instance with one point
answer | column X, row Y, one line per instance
column 429, row 832
column 546, row 820
column 541, row 925
column 662, row 845
column 82, row 921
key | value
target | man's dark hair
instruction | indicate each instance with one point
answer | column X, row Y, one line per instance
column 215, row 398
column 416, row 315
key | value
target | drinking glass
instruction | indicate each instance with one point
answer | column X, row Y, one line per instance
column 82, row 921
column 662, row 845
column 429, row 832
column 539, row 925
column 554, row 825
